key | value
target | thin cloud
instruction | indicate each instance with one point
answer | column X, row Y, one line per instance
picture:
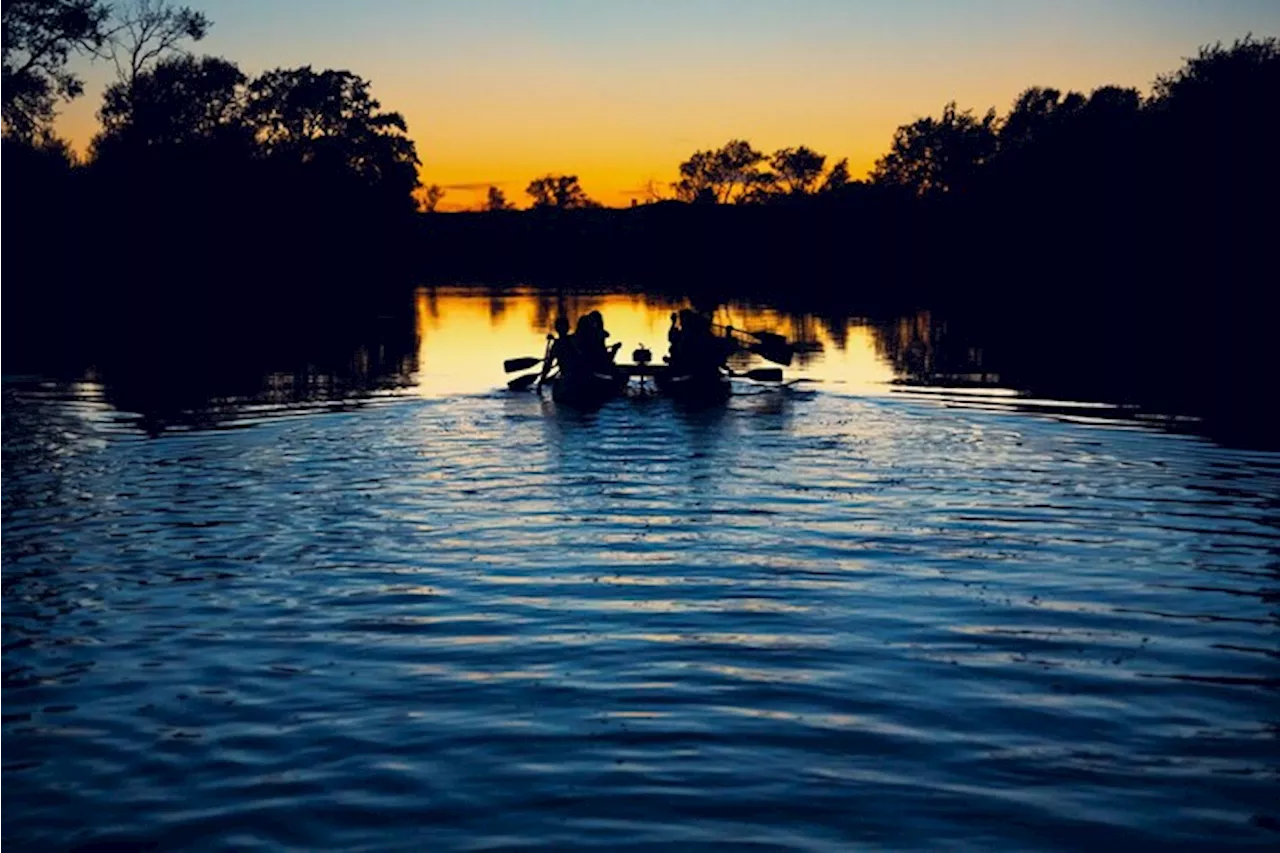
column 475, row 186
column 652, row 188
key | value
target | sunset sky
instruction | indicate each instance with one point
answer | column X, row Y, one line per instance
column 499, row 92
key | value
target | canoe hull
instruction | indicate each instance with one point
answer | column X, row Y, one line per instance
column 589, row 390
column 694, row 389
column 593, row 389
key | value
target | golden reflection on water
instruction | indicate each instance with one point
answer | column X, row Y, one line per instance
column 465, row 334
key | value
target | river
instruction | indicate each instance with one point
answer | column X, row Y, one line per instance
column 431, row 613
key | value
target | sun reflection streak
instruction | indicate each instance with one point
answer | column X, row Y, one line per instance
column 464, row 334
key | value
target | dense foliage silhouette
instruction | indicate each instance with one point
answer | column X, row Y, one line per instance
column 39, row 38
column 559, row 192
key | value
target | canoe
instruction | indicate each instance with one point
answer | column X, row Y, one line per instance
column 703, row 388
column 588, row 389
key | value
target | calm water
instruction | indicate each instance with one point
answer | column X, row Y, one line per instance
column 446, row 616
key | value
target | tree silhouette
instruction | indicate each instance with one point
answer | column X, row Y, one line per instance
column 1034, row 112
column 431, row 197
column 727, row 174
column 1219, row 109
column 800, row 172
column 328, row 118
column 39, row 37
column 181, row 100
column 310, row 132
column 1113, row 102
column 497, row 200
column 837, row 177
column 737, row 173
column 798, row 169
column 934, row 156
column 558, row 192
column 1236, row 75
column 1217, row 126
column 699, row 182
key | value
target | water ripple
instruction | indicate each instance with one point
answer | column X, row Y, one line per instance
column 800, row 623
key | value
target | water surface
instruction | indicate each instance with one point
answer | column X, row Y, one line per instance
column 436, row 614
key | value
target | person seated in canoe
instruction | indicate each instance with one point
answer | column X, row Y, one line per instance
column 695, row 348
column 561, row 350
column 589, row 343
column 674, row 335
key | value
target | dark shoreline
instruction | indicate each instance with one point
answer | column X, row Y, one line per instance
column 358, row 347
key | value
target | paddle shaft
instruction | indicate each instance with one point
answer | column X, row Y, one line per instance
column 760, row 374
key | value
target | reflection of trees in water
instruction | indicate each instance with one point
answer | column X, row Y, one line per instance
column 804, row 327
column 548, row 304
column 387, row 363
column 497, row 306
column 837, row 329
column 921, row 345
column 209, row 370
column 925, row 348
column 430, row 301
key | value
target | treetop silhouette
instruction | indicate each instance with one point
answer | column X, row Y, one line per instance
column 326, row 120
column 737, row 173
column 496, row 199
column 39, row 38
column 559, row 192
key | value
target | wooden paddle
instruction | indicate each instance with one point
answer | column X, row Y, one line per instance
column 761, row 374
column 522, row 383
column 768, row 345
column 778, row 351
column 511, row 365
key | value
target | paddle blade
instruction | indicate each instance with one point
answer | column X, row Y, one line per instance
column 511, row 365
column 521, row 383
column 765, row 374
column 778, row 353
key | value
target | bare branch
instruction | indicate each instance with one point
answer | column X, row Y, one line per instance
column 148, row 30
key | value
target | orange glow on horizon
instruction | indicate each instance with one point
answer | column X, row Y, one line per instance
column 464, row 335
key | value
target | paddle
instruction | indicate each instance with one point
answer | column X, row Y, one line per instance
column 761, row 374
column 778, row 351
column 521, row 383
column 546, row 365
column 511, row 365
column 768, row 345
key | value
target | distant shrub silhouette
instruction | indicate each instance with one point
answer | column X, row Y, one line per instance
column 738, row 173
column 559, row 192
column 496, row 199
column 727, row 174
